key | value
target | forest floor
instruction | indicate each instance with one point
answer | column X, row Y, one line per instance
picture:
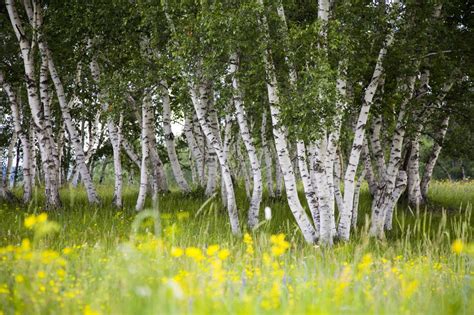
column 98, row 260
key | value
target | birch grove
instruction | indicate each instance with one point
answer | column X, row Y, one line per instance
column 319, row 104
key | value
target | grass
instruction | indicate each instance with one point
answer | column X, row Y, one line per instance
column 89, row 260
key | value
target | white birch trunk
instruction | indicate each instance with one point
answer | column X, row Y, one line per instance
column 145, row 153
column 309, row 190
column 267, row 157
column 384, row 196
column 73, row 134
column 45, row 141
column 196, row 153
column 28, row 180
column 279, row 133
column 200, row 103
column 169, row 139
column 349, row 178
column 435, row 151
column 9, row 164
column 249, row 144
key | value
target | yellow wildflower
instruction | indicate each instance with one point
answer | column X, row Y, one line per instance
column 30, row 221
column 67, row 250
column 89, row 311
column 408, row 288
column 43, row 217
column 212, row 249
column 457, row 246
column 223, row 254
column 19, row 279
column 194, row 253
column 279, row 245
column 177, row 252
column 41, row 274
column 25, row 245
column 365, row 263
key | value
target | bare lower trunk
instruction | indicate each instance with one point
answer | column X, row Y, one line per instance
column 169, row 139
column 433, row 158
column 200, row 101
column 75, row 139
column 267, row 157
column 28, row 180
column 309, row 190
column 249, row 144
column 281, row 144
column 46, row 144
column 145, row 153
column 359, row 136
column 196, row 153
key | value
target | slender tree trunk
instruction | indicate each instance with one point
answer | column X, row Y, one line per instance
column 115, row 139
column 267, row 157
column 73, row 134
column 279, row 133
column 28, row 180
column 393, row 179
column 45, row 141
column 196, row 153
column 433, row 158
column 249, row 144
column 11, row 149
column 413, row 172
column 200, row 101
column 169, row 139
column 145, row 153
column 349, row 178
column 309, row 190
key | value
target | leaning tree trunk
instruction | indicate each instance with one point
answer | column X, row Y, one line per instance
column 115, row 139
column 344, row 226
column 435, row 151
column 279, row 132
column 393, row 180
column 248, row 143
column 200, row 101
column 28, row 180
column 73, row 134
column 46, row 143
column 169, row 139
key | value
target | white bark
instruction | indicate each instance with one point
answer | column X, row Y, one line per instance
column 169, row 139
column 435, row 151
column 200, row 102
column 196, row 153
column 28, row 180
column 131, row 153
column 73, row 133
column 355, row 210
column 145, row 153
column 8, row 166
column 279, row 133
column 267, row 157
column 249, row 144
column 309, row 190
column 115, row 139
column 349, row 178
column 400, row 186
column 46, row 143
column 384, row 197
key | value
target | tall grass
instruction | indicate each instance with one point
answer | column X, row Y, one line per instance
column 97, row 264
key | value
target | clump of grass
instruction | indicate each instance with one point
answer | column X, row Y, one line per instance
column 108, row 261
